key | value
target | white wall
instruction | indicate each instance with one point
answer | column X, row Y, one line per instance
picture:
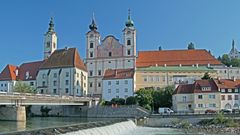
column 107, row 96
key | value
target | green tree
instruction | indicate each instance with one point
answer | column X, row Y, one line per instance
column 144, row 97
column 23, row 88
column 191, row 46
column 119, row 101
column 206, row 76
column 226, row 60
column 131, row 101
column 235, row 62
column 219, row 58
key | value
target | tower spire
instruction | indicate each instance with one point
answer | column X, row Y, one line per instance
column 233, row 44
column 129, row 22
column 51, row 25
column 93, row 25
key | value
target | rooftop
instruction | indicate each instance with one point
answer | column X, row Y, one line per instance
column 175, row 58
column 175, row 68
column 118, row 74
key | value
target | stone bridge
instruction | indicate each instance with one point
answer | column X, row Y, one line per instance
column 12, row 105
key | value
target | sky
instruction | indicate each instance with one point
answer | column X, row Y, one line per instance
column 172, row 24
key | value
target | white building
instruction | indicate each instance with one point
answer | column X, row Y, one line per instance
column 224, row 72
column 63, row 73
column 8, row 78
column 118, row 83
column 108, row 54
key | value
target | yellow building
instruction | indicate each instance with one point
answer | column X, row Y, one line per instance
column 197, row 97
column 159, row 77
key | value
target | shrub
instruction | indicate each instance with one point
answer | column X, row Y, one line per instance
column 131, row 101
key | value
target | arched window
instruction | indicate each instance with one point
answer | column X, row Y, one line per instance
column 128, row 42
column 110, row 54
column 91, row 45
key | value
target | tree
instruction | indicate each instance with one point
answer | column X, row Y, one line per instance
column 226, row 60
column 235, row 62
column 219, row 58
column 191, row 46
column 144, row 98
column 45, row 110
column 131, row 101
column 119, row 101
column 206, row 76
column 23, row 88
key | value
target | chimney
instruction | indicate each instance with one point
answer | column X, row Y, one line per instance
column 208, row 65
column 156, row 65
column 165, row 65
column 115, row 72
column 197, row 65
column 234, row 78
column 180, row 65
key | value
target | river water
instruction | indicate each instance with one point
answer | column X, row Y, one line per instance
column 46, row 122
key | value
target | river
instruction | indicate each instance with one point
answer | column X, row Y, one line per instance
column 47, row 122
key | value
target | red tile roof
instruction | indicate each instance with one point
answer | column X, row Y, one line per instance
column 118, row 74
column 31, row 69
column 196, row 87
column 8, row 73
column 64, row 58
column 175, row 58
column 228, row 83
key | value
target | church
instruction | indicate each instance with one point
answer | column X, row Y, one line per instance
column 108, row 53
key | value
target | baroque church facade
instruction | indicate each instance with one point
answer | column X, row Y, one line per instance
column 108, row 53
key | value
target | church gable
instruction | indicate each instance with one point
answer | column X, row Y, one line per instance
column 110, row 47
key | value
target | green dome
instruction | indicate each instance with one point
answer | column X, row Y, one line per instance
column 129, row 22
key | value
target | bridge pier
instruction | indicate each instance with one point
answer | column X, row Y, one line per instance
column 13, row 113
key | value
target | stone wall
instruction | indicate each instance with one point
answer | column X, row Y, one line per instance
column 132, row 111
column 13, row 113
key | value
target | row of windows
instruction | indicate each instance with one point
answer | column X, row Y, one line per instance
column 66, row 83
column 117, row 90
column 209, row 96
column 110, row 53
column 125, row 96
column 55, row 75
column 155, row 79
column 213, row 105
column 230, row 71
column 128, row 43
column 4, row 85
column 229, row 97
column 229, row 90
column 66, row 91
column 117, row 82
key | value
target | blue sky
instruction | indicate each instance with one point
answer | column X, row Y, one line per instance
column 171, row 24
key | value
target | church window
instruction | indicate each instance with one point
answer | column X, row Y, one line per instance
column 67, row 82
column 91, row 73
column 91, row 54
column 90, row 84
column 99, row 84
column 66, row 90
column 99, row 72
column 128, row 42
column 128, row 52
column 91, row 45
column 110, row 54
column 48, row 44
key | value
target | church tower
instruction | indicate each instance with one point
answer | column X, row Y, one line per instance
column 129, row 37
column 93, row 40
column 50, row 41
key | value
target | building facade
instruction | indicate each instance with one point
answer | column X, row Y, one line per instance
column 8, row 78
column 108, row 53
column 118, row 83
column 197, row 97
column 224, row 72
column 229, row 89
column 63, row 73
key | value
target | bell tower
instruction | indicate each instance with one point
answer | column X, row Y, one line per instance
column 50, row 40
column 93, row 39
column 129, row 36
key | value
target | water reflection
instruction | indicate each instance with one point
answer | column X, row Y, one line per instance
column 43, row 122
